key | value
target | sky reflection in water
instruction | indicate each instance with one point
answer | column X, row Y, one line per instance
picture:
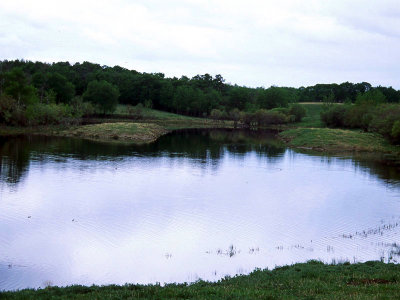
column 195, row 204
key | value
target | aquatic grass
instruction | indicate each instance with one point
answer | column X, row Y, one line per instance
column 312, row 280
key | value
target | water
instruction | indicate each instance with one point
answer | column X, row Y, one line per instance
column 195, row 204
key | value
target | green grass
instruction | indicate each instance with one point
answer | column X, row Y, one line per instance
column 312, row 119
column 337, row 140
column 149, row 113
column 121, row 131
column 311, row 134
column 152, row 125
column 312, row 280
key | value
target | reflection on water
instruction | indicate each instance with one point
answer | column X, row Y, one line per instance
column 194, row 204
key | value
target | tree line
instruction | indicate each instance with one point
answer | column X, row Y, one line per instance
column 37, row 92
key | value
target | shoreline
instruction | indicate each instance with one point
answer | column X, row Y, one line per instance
column 311, row 280
column 308, row 139
column 135, row 132
column 337, row 141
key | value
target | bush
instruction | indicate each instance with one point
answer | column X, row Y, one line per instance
column 216, row 114
column 359, row 116
column 384, row 119
column 396, row 131
column 266, row 117
column 135, row 111
column 247, row 119
column 48, row 114
column 283, row 110
column 298, row 111
column 81, row 109
column 10, row 112
column 148, row 103
column 334, row 116
column 7, row 108
column 235, row 115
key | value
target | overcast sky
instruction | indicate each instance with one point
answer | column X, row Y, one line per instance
column 253, row 43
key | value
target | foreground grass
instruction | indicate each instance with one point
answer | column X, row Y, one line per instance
column 312, row 280
column 337, row 140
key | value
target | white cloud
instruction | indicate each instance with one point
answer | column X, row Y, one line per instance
column 253, row 43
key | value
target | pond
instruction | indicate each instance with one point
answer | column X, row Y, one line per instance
column 196, row 204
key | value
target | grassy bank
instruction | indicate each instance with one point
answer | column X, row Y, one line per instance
column 123, row 131
column 312, row 280
column 337, row 140
column 311, row 134
column 148, row 128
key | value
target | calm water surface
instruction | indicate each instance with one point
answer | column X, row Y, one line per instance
column 195, row 204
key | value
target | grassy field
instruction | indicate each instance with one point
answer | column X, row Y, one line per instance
column 312, row 280
column 312, row 119
column 149, row 113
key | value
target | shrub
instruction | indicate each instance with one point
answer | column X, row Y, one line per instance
column 384, row 119
column 81, row 109
column 135, row 111
column 248, row 119
column 359, row 116
column 7, row 107
column 235, row 115
column 396, row 131
column 298, row 111
column 283, row 110
column 87, row 109
column 334, row 116
column 10, row 112
column 48, row 114
column 216, row 114
column 266, row 117
column 148, row 103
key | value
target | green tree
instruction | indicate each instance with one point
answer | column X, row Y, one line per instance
column 17, row 86
column 64, row 89
column 103, row 94
column 39, row 80
column 272, row 97
column 238, row 97
column 372, row 97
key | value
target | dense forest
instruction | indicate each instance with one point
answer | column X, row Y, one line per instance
column 42, row 93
